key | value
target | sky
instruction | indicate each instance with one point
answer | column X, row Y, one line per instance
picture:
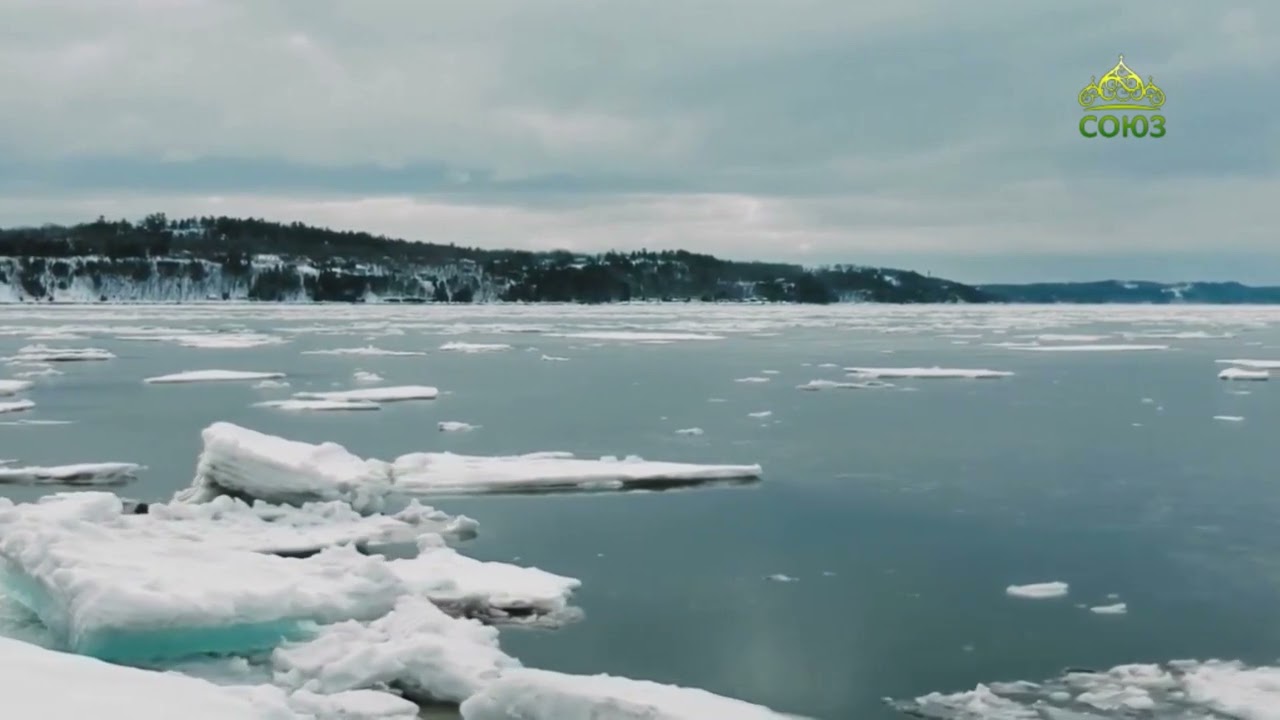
column 936, row 135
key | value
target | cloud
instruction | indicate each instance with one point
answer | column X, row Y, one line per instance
column 807, row 129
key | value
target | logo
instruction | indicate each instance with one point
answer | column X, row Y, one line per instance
column 1122, row 89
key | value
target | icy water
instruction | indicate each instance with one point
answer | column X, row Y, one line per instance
column 900, row 513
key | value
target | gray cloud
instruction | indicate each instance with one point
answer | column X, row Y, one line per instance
column 932, row 133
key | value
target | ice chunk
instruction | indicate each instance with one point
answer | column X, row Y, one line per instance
column 637, row 336
column 110, row 473
column 40, row 684
column 270, row 384
column 367, row 377
column 814, row 385
column 447, row 473
column 782, row 578
column 466, row 347
column 109, row 592
column 13, row 387
column 1114, row 609
column 925, row 373
column 1038, row 591
column 1229, row 418
column 42, row 372
column 761, row 414
column 1236, row 373
column 1254, row 364
column 319, row 405
column 368, row 350
column 1088, row 348
column 212, row 341
column 429, row 655
column 491, row 591
column 689, row 431
column 15, row 406
column 237, row 460
column 543, row 695
column 354, row 705
column 455, row 426
column 555, row 358
column 192, row 376
column 752, row 379
column 377, row 395
column 44, row 353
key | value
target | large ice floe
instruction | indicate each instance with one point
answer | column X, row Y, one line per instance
column 1181, row 690
column 243, row 462
column 276, row 584
column 194, row 376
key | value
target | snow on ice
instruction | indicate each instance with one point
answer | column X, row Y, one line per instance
column 194, row 376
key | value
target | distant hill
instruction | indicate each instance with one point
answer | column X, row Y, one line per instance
column 1117, row 291
column 222, row 258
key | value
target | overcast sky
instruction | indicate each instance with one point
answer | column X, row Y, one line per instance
column 937, row 136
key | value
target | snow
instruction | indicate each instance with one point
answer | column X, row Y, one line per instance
column 40, row 684
column 375, row 395
column 192, row 376
column 689, row 431
column 466, row 347
column 1254, row 364
column 417, row 647
column 455, row 426
column 525, row 694
column 1038, row 591
column 1235, row 373
column 1229, row 418
column 634, row 336
column 319, row 405
column 1115, row 609
column 366, row 377
column 13, row 387
column 44, row 353
column 110, row 473
column 15, row 406
column 368, row 350
column 925, row 373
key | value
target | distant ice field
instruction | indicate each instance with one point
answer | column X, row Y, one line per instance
column 1056, row 445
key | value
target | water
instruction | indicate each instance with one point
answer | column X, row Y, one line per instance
column 903, row 512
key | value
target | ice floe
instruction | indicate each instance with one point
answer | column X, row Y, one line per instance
column 1113, row 609
column 753, row 379
column 814, row 385
column 925, row 373
column 46, row 354
column 689, row 431
column 298, row 405
column 366, row 377
column 41, row 684
column 270, row 384
column 396, row 393
column 455, row 426
column 15, row 406
column 526, row 694
column 212, row 341
column 1038, row 591
column 38, row 373
column 555, row 358
column 782, row 578
column 194, row 376
column 465, row 347
column 13, row 387
column 108, row 473
column 368, row 350
column 1229, row 418
column 1236, row 373
column 1253, row 364
column 1115, row 347
column 637, row 336
column 761, row 414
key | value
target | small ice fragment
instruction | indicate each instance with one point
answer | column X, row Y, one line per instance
column 768, row 372
column 13, row 387
column 636, row 336
column 1236, row 373
column 44, row 353
column 689, row 431
column 15, row 406
column 456, row 426
column 1147, row 401
column 555, row 358
column 828, row 573
column 367, row 350
column 753, row 379
column 779, row 577
column 466, row 347
column 42, row 372
column 193, row 376
column 1253, row 364
column 1229, row 418
column 761, row 414
column 925, row 373
column 716, row 400
column 268, row 384
column 375, row 395
column 814, row 385
column 1038, row 591
column 366, row 377
column 1116, row 609
column 319, row 405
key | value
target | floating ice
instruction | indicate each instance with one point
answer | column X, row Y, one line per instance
column 376, row 395
column 13, row 387
column 1068, row 337
column 555, row 358
column 1038, row 591
column 212, row 341
column 366, row 350
column 1088, row 348
column 780, row 577
column 1114, row 609
column 1254, row 364
column 689, row 431
column 40, row 684
column 429, row 655
column 455, row 426
column 42, row 372
column 1236, row 373
column 925, row 373
column 269, row 384
column 1179, row 335
column 106, row 591
column 1229, row 418
column 466, row 347
column 319, row 405
column 524, row 694
column 834, row 385
column 1181, row 689
column 761, row 414
column 15, row 406
column 111, row 473
column 193, row 376
column 367, row 377
column 635, row 336
column 753, row 379
column 44, row 354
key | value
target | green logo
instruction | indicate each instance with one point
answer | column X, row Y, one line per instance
column 1121, row 89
